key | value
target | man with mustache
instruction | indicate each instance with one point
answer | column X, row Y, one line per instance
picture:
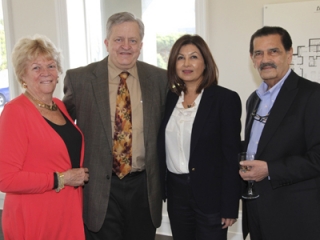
column 118, row 104
column 283, row 131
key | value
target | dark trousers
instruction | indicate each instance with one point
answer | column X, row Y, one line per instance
column 253, row 220
column 128, row 214
column 187, row 221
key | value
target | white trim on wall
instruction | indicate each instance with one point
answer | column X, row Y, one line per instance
column 165, row 228
column 201, row 9
column 15, row 88
column 63, row 43
column 1, row 200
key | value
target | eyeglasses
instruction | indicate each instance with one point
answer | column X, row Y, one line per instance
column 257, row 117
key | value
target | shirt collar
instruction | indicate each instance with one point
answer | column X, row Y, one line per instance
column 114, row 71
column 263, row 88
column 196, row 101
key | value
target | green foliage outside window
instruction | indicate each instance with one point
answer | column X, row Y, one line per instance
column 164, row 45
column 3, row 53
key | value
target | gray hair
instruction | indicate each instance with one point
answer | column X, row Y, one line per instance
column 29, row 48
column 122, row 17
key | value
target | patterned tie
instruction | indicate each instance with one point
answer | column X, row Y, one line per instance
column 122, row 139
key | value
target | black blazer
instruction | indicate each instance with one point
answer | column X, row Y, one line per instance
column 289, row 203
column 215, row 143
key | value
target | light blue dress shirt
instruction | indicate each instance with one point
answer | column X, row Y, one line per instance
column 268, row 97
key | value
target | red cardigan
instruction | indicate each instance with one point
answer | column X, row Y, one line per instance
column 30, row 151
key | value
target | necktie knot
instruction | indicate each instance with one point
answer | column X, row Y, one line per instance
column 123, row 76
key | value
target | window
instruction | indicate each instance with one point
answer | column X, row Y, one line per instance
column 4, row 79
column 164, row 25
column 84, row 31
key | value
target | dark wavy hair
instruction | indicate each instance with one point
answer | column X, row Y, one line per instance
column 210, row 73
column 268, row 30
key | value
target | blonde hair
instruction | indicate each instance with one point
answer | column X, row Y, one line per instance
column 29, row 48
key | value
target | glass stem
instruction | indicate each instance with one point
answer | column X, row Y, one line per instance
column 250, row 186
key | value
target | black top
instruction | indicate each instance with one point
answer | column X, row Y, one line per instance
column 72, row 138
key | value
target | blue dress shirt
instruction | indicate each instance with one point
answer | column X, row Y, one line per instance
column 268, row 97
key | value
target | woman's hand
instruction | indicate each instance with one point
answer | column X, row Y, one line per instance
column 76, row 177
column 227, row 222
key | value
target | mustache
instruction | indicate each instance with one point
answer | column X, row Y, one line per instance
column 263, row 65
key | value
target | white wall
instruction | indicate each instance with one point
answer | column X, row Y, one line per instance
column 229, row 26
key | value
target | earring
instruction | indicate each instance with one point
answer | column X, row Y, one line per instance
column 57, row 80
column 24, row 85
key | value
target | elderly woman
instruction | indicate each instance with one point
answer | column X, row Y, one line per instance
column 199, row 141
column 41, row 152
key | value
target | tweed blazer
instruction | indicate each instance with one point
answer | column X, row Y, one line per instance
column 87, row 100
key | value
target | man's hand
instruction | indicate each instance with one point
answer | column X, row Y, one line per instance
column 255, row 170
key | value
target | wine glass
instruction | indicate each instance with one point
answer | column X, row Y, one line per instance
column 250, row 193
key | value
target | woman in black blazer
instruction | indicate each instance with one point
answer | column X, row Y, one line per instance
column 199, row 141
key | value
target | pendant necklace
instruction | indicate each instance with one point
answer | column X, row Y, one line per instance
column 190, row 105
column 52, row 107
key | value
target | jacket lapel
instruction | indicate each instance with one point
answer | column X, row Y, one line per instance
column 208, row 97
column 172, row 100
column 252, row 104
column 100, row 86
column 146, row 86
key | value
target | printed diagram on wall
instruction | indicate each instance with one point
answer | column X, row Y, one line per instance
column 302, row 21
column 306, row 60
